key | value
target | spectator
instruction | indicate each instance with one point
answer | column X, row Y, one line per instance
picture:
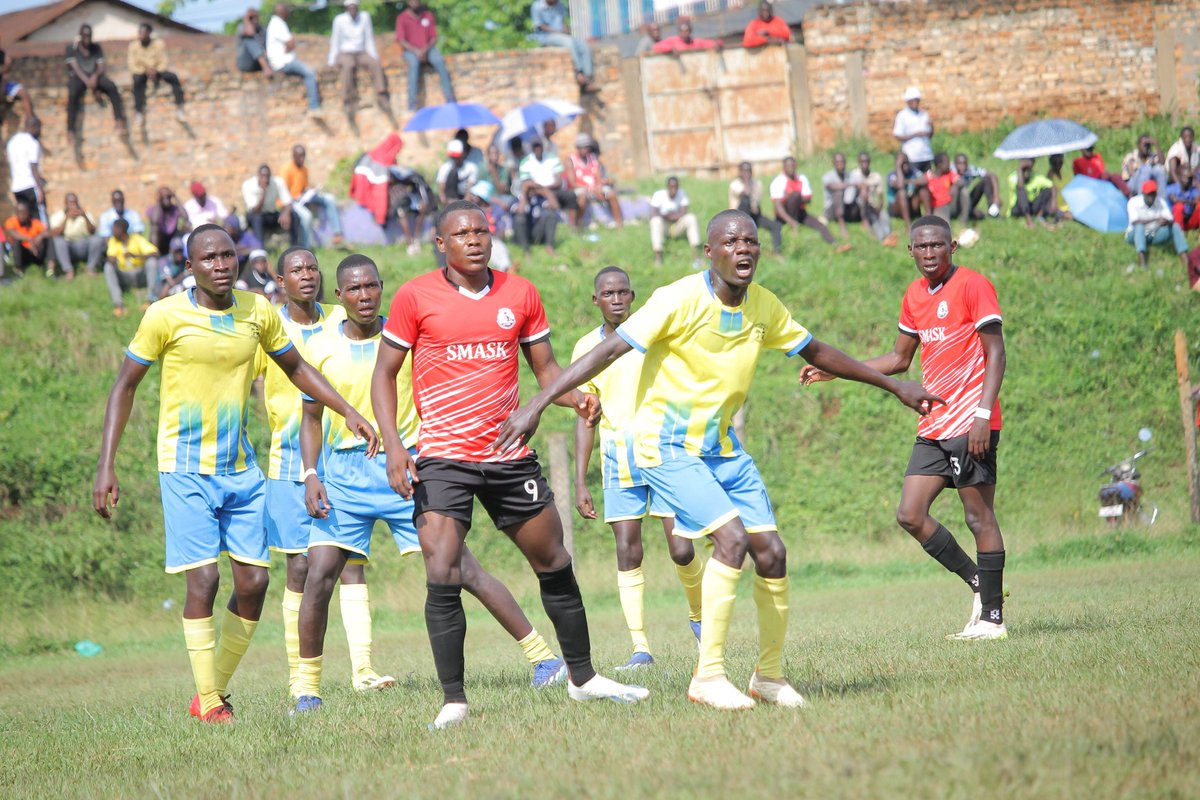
column 1184, row 199
column 244, row 241
column 166, row 219
column 745, row 195
column 1183, row 153
column 268, row 206
column 481, row 195
column 552, row 28
column 132, row 263
column 671, row 215
column 1144, row 163
column 203, row 208
column 85, row 71
column 474, row 154
column 175, row 276
column 914, row 130
column 11, row 91
column 872, row 201
column 536, row 221
column 456, row 175
column 280, row 50
column 416, row 32
column 683, row 40
column 591, row 181
column 1151, row 222
column 841, row 195
column 147, row 59
column 1032, row 196
column 908, row 191
column 306, row 198
column 410, row 201
column 256, row 276
column 975, row 184
column 549, row 128
column 651, row 35
column 252, row 45
column 1054, row 174
column 352, row 45
column 75, row 239
column 118, row 211
column 1091, row 164
column 25, row 177
column 790, row 194
column 766, row 28
column 541, row 175
column 499, row 173
column 29, row 241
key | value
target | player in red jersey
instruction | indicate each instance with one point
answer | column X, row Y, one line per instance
column 466, row 326
column 953, row 315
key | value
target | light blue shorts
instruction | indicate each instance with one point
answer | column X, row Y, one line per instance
column 207, row 515
column 633, row 502
column 359, row 496
column 287, row 518
column 705, row 492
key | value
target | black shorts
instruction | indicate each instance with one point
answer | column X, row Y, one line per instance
column 510, row 491
column 949, row 459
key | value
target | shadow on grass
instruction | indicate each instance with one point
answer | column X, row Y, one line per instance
column 859, row 686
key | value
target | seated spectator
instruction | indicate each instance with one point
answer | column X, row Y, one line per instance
column 1184, row 199
column 541, row 175
column 1144, row 163
column 591, row 181
column 257, row 276
column 244, row 241
column 410, row 201
column 1151, row 222
column 24, row 153
column 147, row 59
column 119, row 211
column 745, row 195
column 175, row 277
column 75, row 237
column 908, row 191
column 552, row 28
column 651, row 35
column 29, row 240
column 474, row 154
column 85, row 72
column 1031, row 196
column 841, row 195
column 499, row 173
column 766, row 28
column 536, row 221
column 872, row 201
column 252, row 45
column 11, row 92
column 549, row 128
column 416, row 33
column 791, row 194
column 166, row 219
column 481, row 195
column 977, row 183
column 671, row 215
column 683, row 40
column 456, row 175
column 1054, row 174
column 940, row 179
column 1091, row 164
column 1183, row 153
column 132, row 263
column 204, row 208
column 280, row 48
column 307, row 198
column 268, row 206
column 914, row 130
column 352, row 46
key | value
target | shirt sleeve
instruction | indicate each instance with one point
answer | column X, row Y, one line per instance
column 650, row 322
column 401, row 326
column 898, row 126
column 981, row 300
column 778, row 187
column 751, row 37
column 272, row 336
column 908, row 323
column 536, row 327
column 783, row 332
column 152, row 335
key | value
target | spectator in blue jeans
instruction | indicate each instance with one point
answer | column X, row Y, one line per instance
column 416, row 32
column 1151, row 222
column 552, row 28
column 281, row 56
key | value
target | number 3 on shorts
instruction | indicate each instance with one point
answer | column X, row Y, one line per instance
column 531, row 488
column 957, row 467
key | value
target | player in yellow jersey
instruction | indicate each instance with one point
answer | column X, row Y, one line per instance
column 212, row 489
column 627, row 498
column 702, row 337
column 355, row 491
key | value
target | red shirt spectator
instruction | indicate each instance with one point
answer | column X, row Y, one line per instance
column 1090, row 165
column 685, row 41
column 757, row 32
column 939, row 187
column 416, row 29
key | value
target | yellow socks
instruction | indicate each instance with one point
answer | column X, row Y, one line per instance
column 771, row 597
column 310, row 677
column 691, row 576
column 356, row 619
column 201, row 639
column 291, row 637
column 535, row 648
column 719, row 591
column 235, row 638
column 631, row 586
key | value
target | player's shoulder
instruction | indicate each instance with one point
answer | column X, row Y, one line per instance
column 423, row 283
column 169, row 309
column 690, row 287
column 586, row 342
column 323, row 342
column 972, row 278
column 507, row 283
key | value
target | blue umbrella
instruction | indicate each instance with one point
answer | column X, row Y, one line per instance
column 1046, row 137
column 1097, row 204
column 451, row 115
column 531, row 116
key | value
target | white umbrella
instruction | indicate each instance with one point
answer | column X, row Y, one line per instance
column 532, row 116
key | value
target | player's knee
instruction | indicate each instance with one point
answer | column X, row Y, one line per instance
column 979, row 521
column 682, row 551
column 770, row 556
column 909, row 518
column 252, row 583
column 202, row 583
column 731, row 547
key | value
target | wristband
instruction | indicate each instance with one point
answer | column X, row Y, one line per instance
column 983, row 413
column 307, row 473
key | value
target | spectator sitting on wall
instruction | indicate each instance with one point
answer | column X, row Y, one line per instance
column 410, row 201
column 1031, row 196
column 1184, row 199
column 25, row 179
column 651, row 35
column 976, row 183
column 872, row 200
column 1091, row 164
column 841, row 195
column 352, row 46
column 1183, row 153
column 908, row 191
column 790, row 194
column 474, row 154
column 132, row 263
column 683, row 40
column 552, row 28
column 306, row 198
column 204, row 208
column 746, row 195
column 542, row 176
column 166, row 220
column 118, row 211
column 591, row 181
column 269, row 206
column 416, row 33
column 456, row 175
column 914, row 130
column 671, row 215
column 1054, row 174
column 29, row 240
column 174, row 277
column 1151, row 222
column 281, row 56
column 147, row 61
column 85, row 72
column 252, row 45
column 1144, row 163
column 766, row 28
column 75, row 239
column 12, row 92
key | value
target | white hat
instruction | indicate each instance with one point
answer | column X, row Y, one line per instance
column 912, row 93
column 257, row 254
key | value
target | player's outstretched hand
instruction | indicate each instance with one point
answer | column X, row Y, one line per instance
column 316, row 501
column 402, row 472
column 583, row 503
column 979, row 440
column 810, row 375
column 913, row 395
column 364, row 430
column 517, row 429
column 588, row 407
column 104, row 487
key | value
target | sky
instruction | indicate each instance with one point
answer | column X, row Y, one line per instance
column 208, row 15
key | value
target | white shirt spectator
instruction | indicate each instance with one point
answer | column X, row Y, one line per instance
column 1179, row 153
column 544, row 172
column 213, row 211
column 352, row 36
column 274, row 198
column 104, row 226
column 782, row 186
column 919, row 148
column 849, row 194
column 278, row 36
column 24, row 152
column 468, row 174
column 1153, row 217
column 662, row 202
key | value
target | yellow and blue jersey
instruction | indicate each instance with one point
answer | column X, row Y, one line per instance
column 700, row 357
column 348, row 364
column 617, row 388
column 282, row 398
column 208, row 364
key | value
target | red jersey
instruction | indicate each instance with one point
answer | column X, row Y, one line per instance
column 1092, row 167
column 947, row 322
column 466, row 352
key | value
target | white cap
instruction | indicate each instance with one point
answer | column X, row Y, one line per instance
column 256, row 254
column 912, row 93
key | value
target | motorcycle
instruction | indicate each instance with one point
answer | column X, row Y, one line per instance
column 1121, row 498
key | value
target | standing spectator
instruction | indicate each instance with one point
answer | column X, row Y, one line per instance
column 166, row 220
column 132, row 263
column 411, row 201
column 281, row 56
column 1184, row 199
column 25, row 179
column 1144, row 163
column 416, row 32
column 790, row 194
column 766, row 28
column 1032, row 196
column 75, row 239
column 1091, row 164
column 591, row 181
column 252, row 45
column 29, row 240
column 671, row 215
column 841, row 195
column 147, row 60
column 1183, row 153
column 352, row 45
column 552, row 28
column 203, row 208
column 914, row 130
column 872, row 201
column 119, row 211
column 976, row 183
column 11, row 91
column 306, row 198
column 268, row 206
column 1151, row 222
column 908, row 191
column 85, row 72
column 651, row 35
column 683, row 40
column 542, row 175
column 456, row 175
column 746, row 195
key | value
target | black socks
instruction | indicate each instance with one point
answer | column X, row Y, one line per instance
column 447, row 625
column 564, row 607
column 943, row 547
column 991, row 585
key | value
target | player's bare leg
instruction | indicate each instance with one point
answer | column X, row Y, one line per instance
column 325, row 564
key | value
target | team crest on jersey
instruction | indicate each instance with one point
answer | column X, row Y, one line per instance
column 760, row 331
column 943, row 310
column 505, row 318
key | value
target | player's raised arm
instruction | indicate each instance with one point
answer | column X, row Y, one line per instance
column 116, row 415
column 400, row 464
column 313, row 383
column 828, row 358
column 893, row 363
